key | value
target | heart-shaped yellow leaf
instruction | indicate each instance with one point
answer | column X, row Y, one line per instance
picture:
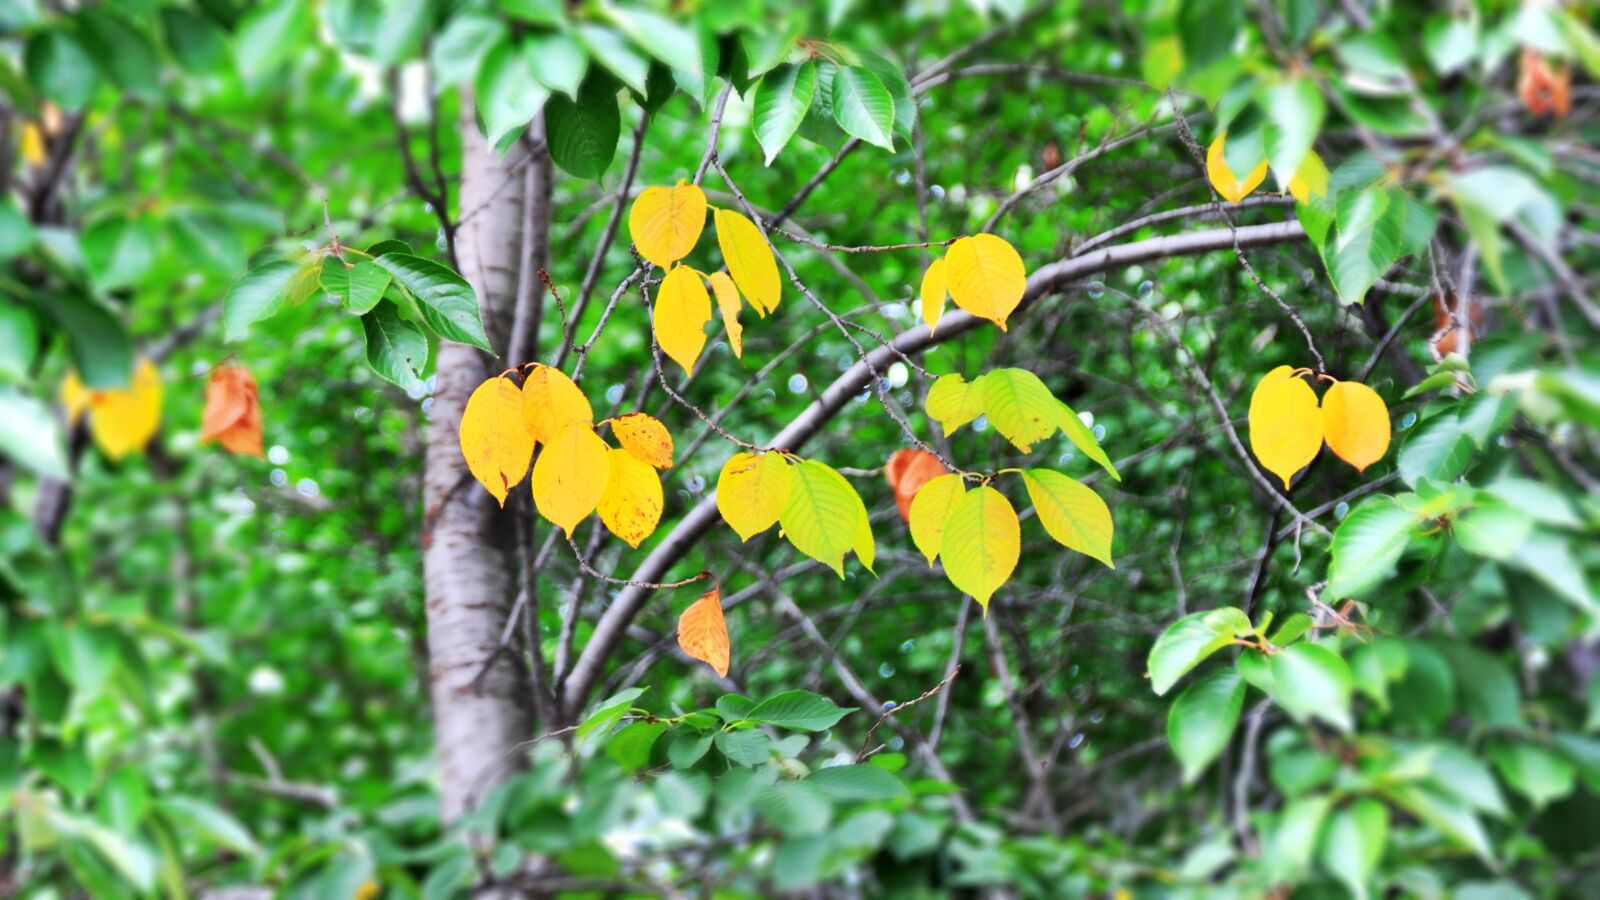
column 1285, row 423
column 665, row 222
column 494, row 438
column 1355, row 421
column 682, row 310
column 703, row 632
column 981, row 543
column 570, row 476
column 985, row 277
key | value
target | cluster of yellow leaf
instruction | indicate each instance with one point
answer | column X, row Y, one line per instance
column 577, row 473
column 1288, row 426
column 1310, row 180
column 703, row 632
column 984, row 276
column 665, row 224
column 232, row 415
column 121, row 420
column 820, row 513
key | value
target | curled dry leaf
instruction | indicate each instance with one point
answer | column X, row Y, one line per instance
column 645, row 437
column 232, row 415
column 1544, row 90
column 907, row 471
column 703, row 632
column 495, row 439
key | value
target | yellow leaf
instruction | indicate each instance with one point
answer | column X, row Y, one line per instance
column 822, row 516
column 728, row 305
column 985, row 277
column 570, row 476
column 866, row 549
column 494, row 438
column 1285, row 423
column 551, row 401
column 32, row 145
column 1072, row 513
column 1355, row 421
column 933, row 291
column 74, row 397
column 952, row 402
column 1019, row 406
column 1311, row 179
column 703, row 632
column 1222, row 177
column 931, row 508
column 645, row 437
column 682, row 310
column 122, row 421
column 665, row 222
column 981, row 543
column 752, row 491
column 749, row 258
column 631, row 505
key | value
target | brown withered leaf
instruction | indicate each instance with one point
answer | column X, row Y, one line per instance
column 232, row 415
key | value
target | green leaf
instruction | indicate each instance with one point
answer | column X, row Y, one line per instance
column 396, row 349
column 1550, row 558
column 1208, row 29
column 856, row 782
column 123, row 51
column 16, row 232
column 196, row 42
column 795, row 808
column 448, row 304
column 1492, row 528
column 613, row 53
column 745, row 748
column 1543, row 503
column 19, row 340
column 1202, row 720
column 631, row 746
column 798, row 710
column 1437, row 449
column 258, row 295
column 1534, row 771
column 687, row 747
column 209, row 821
column 863, row 107
column 1083, row 438
column 733, row 707
column 557, row 60
column 1451, row 42
column 508, row 95
column 1312, row 682
column 120, row 251
column 1445, row 814
column 1291, row 629
column 1366, row 546
column 101, row 352
column 1072, row 513
column 905, row 105
column 1353, row 843
column 1486, row 686
column 358, row 286
column 267, row 36
column 60, row 68
column 821, row 516
column 1293, row 837
column 1372, row 241
column 781, row 101
column 1019, row 406
column 30, row 435
column 1188, row 641
column 676, row 46
column 584, row 132
column 1466, row 777
column 1296, row 109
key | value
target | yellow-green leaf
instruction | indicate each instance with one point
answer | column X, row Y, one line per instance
column 1019, row 406
column 981, row 543
column 570, row 476
column 728, row 304
column 551, row 401
column 1355, row 421
column 682, row 310
column 752, row 491
column 750, row 260
column 933, row 291
column 822, row 514
column 931, row 508
column 645, row 437
column 985, row 277
column 1084, row 439
column 495, row 440
column 1311, row 179
column 665, row 222
column 1223, row 178
column 1072, row 513
column 952, row 402
column 632, row 502
column 1285, row 424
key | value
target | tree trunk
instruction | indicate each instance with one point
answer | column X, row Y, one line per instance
column 469, row 563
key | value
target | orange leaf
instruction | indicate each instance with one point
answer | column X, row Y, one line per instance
column 703, row 632
column 232, row 415
column 907, row 471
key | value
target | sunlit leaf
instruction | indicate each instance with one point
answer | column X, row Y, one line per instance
column 822, row 515
column 1224, row 180
column 703, row 632
column 932, row 293
column 728, row 304
column 985, row 277
column 665, row 222
column 1072, row 513
column 1285, row 423
column 551, row 401
column 750, row 260
column 981, row 543
column 123, row 420
column 1019, row 406
column 752, row 490
column 1083, row 438
column 645, row 437
column 1355, row 422
column 682, row 310
column 570, row 476
column 930, row 510
column 952, row 402
column 632, row 503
